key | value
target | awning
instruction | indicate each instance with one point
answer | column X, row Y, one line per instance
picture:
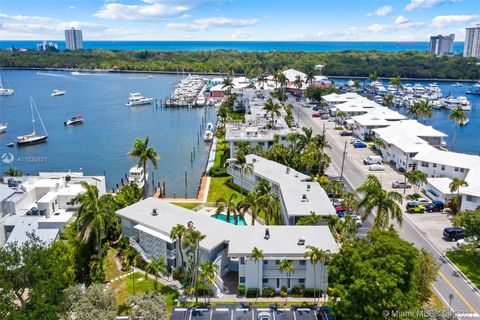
column 153, row 233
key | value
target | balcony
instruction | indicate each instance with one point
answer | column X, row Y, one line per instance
column 134, row 244
column 171, row 254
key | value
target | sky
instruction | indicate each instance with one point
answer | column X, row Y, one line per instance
column 242, row 20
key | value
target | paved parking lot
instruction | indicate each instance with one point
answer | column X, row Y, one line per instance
column 238, row 312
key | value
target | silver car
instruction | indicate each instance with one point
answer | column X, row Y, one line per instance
column 264, row 315
column 376, row 167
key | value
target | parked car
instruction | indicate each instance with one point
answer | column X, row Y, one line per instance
column 414, row 202
column 339, row 208
column 323, row 111
column 401, row 185
column 316, row 115
column 359, row 144
column 376, row 167
column 435, row 206
column 353, row 141
column 467, row 242
column 264, row 315
column 325, row 313
column 372, row 160
column 337, row 202
column 325, row 116
column 416, row 209
column 345, row 133
column 453, row 234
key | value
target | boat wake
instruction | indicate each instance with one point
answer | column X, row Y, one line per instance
column 53, row 75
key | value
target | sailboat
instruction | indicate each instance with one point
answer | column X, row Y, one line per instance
column 4, row 91
column 33, row 138
column 3, row 127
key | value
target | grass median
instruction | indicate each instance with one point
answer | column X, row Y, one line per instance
column 468, row 262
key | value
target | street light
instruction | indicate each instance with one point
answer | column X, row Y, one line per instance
column 450, row 298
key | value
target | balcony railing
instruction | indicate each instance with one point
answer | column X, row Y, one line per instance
column 134, row 244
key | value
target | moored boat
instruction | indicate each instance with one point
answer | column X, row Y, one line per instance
column 57, row 93
column 137, row 177
column 3, row 90
column 463, row 122
column 3, row 127
column 74, row 121
column 475, row 89
column 136, row 99
column 208, row 136
column 33, row 138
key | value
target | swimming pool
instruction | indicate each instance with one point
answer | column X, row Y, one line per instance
column 241, row 220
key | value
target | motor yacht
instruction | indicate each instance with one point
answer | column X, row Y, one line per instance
column 136, row 99
column 57, row 93
column 137, row 177
column 74, row 121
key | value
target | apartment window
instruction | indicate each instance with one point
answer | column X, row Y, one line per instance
column 277, row 261
column 242, row 279
column 265, row 281
column 288, row 283
column 265, row 262
column 302, row 262
column 434, row 165
column 456, row 169
column 470, row 199
column 462, row 170
column 242, row 260
column 301, row 281
column 278, row 283
column 443, row 167
column 425, row 164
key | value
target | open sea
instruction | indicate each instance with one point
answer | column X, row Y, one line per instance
column 101, row 144
column 309, row 46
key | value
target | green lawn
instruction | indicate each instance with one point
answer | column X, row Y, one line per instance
column 220, row 155
column 187, row 205
column 124, row 288
column 468, row 263
column 219, row 189
column 112, row 269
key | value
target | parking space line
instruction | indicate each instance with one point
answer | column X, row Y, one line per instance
column 241, row 309
column 190, row 317
column 263, row 309
column 211, row 314
column 273, row 314
column 181, row 309
column 284, row 309
column 231, row 315
column 222, row 309
column 294, row 315
column 253, row 314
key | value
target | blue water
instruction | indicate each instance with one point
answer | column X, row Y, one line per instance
column 102, row 142
column 239, row 45
column 467, row 139
column 222, row 217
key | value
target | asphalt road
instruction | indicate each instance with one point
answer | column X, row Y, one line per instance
column 455, row 292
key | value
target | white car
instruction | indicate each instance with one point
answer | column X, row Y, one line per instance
column 358, row 220
column 264, row 315
column 337, row 202
column 421, row 201
column 376, row 167
column 465, row 242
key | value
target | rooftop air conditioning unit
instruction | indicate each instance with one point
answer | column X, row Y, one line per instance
column 267, row 234
column 154, row 212
column 301, row 241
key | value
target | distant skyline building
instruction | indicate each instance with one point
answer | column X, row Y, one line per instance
column 73, row 39
column 47, row 46
column 442, row 45
column 472, row 42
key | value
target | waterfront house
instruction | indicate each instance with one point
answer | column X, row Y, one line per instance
column 297, row 193
column 381, row 117
column 148, row 224
column 40, row 204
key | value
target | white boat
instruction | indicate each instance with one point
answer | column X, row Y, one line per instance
column 33, row 138
column 464, row 104
column 75, row 73
column 74, row 121
column 209, row 126
column 208, row 136
column 451, row 103
column 5, row 91
column 136, row 99
column 457, row 84
column 136, row 176
column 56, row 93
column 463, row 122
column 3, row 127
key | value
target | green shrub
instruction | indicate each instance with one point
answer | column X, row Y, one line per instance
column 241, row 290
column 298, row 291
column 216, row 171
column 268, row 293
column 252, row 292
column 308, row 293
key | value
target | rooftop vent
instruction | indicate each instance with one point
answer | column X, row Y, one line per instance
column 68, row 178
column 190, row 225
column 304, row 198
column 301, row 241
column 267, row 234
column 154, row 212
column 288, row 170
column 296, row 175
column 308, row 187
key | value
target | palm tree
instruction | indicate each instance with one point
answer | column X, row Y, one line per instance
column 208, row 269
column 349, row 201
column 257, row 256
column 310, row 75
column 144, row 154
column 396, row 81
column 177, row 233
column 425, row 111
column 251, row 202
column 457, row 116
column 229, row 206
column 335, row 187
column 93, row 215
column 311, row 220
column 12, row 172
column 262, row 80
column 373, row 76
column 388, row 100
column 287, row 267
column 414, row 110
column 378, row 144
column 191, row 242
column 298, row 83
column 156, row 266
column 228, row 84
column 245, row 169
column 272, row 208
column 455, row 186
column 384, row 202
column 273, row 109
column 316, row 255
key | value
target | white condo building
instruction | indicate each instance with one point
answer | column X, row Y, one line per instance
column 442, row 45
column 73, row 39
column 148, row 224
column 472, row 42
column 298, row 195
column 40, row 204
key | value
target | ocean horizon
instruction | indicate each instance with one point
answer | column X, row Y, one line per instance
column 307, row 46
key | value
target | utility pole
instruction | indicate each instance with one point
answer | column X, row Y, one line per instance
column 405, row 176
column 343, row 158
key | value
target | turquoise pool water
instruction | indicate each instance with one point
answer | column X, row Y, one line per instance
column 241, row 220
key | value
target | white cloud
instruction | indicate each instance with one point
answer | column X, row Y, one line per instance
column 186, row 27
column 184, row 16
column 242, row 34
column 146, row 11
column 382, row 11
column 226, row 22
column 442, row 21
column 380, row 28
column 30, row 19
column 401, row 20
column 71, row 7
column 415, row 4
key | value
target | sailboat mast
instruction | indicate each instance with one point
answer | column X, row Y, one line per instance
column 40, row 118
column 33, row 119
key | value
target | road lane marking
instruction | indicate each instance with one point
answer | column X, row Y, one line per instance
column 469, row 306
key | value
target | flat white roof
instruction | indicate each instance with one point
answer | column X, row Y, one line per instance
column 336, row 98
column 241, row 239
column 453, row 159
column 442, row 184
column 154, row 233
